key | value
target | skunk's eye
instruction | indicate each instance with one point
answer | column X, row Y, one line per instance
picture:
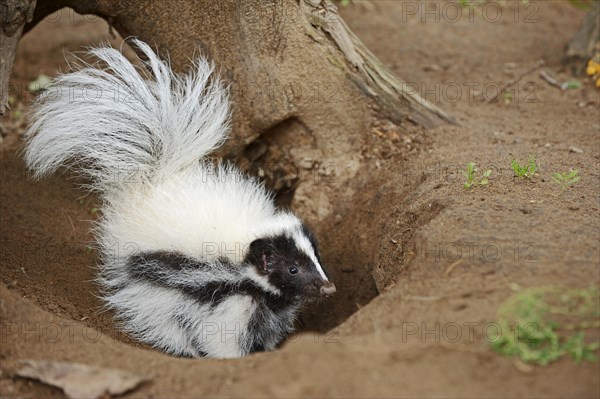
column 293, row 270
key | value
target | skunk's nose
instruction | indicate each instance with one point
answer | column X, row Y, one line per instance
column 328, row 289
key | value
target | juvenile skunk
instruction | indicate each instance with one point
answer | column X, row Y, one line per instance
column 195, row 258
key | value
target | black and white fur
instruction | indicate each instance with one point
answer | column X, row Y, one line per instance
column 196, row 259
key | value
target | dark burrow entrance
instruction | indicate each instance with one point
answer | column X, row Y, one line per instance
column 278, row 159
column 360, row 261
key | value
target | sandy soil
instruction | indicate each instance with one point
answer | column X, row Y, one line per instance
column 387, row 332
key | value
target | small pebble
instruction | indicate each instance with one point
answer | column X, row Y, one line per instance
column 575, row 149
column 432, row 67
column 307, row 163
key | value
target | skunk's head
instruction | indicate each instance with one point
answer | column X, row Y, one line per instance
column 289, row 263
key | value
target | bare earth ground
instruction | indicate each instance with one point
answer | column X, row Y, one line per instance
column 404, row 342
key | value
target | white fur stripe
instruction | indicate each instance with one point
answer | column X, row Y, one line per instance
column 262, row 281
column 304, row 245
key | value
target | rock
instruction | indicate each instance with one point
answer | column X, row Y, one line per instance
column 307, row 163
column 432, row 68
column 79, row 380
column 575, row 149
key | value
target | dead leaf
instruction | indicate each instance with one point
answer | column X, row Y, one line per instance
column 81, row 381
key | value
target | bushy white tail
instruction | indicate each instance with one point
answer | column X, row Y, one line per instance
column 109, row 124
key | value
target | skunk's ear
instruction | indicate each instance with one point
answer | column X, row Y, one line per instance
column 259, row 254
column 265, row 260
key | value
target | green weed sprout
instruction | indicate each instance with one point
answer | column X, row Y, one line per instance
column 470, row 175
column 527, row 170
column 485, row 179
column 566, row 179
column 542, row 324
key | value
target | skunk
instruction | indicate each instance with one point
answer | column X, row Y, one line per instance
column 195, row 258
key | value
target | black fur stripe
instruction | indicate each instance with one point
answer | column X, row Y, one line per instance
column 161, row 268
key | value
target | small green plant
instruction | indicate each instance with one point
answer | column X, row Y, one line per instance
column 485, row 179
column 471, row 177
column 526, row 170
column 566, row 179
column 542, row 324
column 41, row 83
column 571, row 84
